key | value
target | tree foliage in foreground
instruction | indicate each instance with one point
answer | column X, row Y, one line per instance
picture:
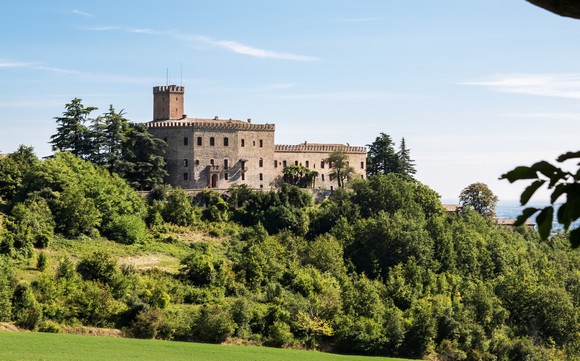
column 383, row 159
column 560, row 183
column 378, row 268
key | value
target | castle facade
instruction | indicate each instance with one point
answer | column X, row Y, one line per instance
column 218, row 153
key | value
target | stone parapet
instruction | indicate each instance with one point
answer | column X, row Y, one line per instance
column 210, row 124
column 319, row 148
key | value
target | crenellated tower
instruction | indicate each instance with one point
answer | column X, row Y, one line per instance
column 168, row 102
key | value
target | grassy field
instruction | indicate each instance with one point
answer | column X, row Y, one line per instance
column 32, row 346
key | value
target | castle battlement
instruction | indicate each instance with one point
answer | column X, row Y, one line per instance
column 211, row 124
column 168, row 89
column 319, row 148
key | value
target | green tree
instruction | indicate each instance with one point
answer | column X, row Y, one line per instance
column 71, row 132
column 560, row 182
column 406, row 165
column 12, row 171
column 143, row 164
column 341, row 170
column 479, row 197
column 381, row 156
column 299, row 175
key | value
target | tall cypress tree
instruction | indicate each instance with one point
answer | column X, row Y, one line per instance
column 406, row 165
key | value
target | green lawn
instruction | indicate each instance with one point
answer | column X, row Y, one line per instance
column 32, row 346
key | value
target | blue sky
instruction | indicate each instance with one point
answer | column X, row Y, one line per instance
column 476, row 87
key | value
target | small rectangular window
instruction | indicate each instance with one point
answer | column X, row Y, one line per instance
column 185, row 141
column 211, row 141
column 261, row 176
column 322, row 164
column 199, row 141
column 226, row 176
column 275, row 164
column 261, row 186
column 243, row 143
column 295, row 162
column 243, row 176
column 261, row 143
column 284, row 163
column 185, row 163
column 362, row 165
column 307, row 164
column 185, row 176
column 323, row 177
column 225, row 164
column 165, row 139
column 261, row 162
column 226, row 142
column 211, row 161
column 197, row 162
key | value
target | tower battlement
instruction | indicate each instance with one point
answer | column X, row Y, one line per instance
column 168, row 102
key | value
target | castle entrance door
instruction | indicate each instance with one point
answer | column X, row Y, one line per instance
column 214, row 181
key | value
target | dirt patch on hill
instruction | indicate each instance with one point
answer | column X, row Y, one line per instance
column 149, row 261
column 92, row 331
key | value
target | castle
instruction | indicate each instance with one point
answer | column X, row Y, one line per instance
column 218, row 153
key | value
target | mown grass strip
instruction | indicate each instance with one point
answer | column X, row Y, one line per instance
column 32, row 346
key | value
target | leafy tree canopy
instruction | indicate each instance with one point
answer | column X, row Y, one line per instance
column 479, row 197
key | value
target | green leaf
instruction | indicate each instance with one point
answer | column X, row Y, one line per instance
column 544, row 221
column 519, row 173
column 526, row 213
column 575, row 238
column 569, row 155
column 558, row 191
column 563, row 216
column 530, row 190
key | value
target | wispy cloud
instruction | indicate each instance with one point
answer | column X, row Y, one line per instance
column 229, row 45
column 552, row 85
column 82, row 13
column 12, row 64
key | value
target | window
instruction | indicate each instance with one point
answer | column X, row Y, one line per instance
column 185, row 176
column 254, row 143
column 323, row 177
column 185, row 163
column 261, row 176
column 211, row 141
column 243, row 176
column 275, row 164
column 261, row 143
column 307, row 164
column 185, row 141
column 261, row 162
column 261, row 186
column 243, row 143
column 211, row 161
column 199, row 142
column 322, row 164
column 295, row 162
column 225, row 164
column 226, row 142
column 197, row 162
column 362, row 165
column 284, row 163
column 165, row 139
column 226, row 176
column 362, row 176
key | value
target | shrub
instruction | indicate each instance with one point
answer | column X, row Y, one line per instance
column 42, row 261
column 127, row 229
column 27, row 312
column 215, row 324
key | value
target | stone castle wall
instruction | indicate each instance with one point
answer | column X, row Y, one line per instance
column 217, row 153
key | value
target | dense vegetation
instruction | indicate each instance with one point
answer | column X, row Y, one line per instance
column 377, row 269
